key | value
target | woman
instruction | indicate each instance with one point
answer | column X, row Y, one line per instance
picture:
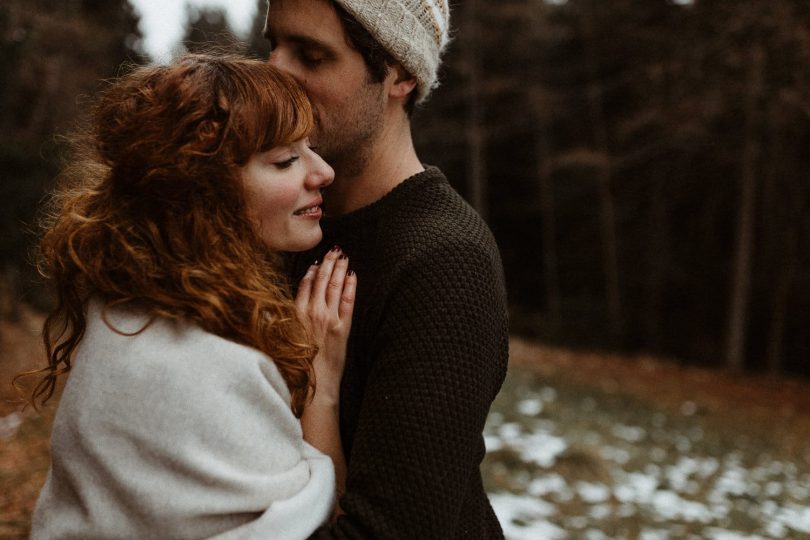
column 190, row 362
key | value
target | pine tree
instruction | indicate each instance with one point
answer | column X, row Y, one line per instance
column 208, row 29
column 52, row 56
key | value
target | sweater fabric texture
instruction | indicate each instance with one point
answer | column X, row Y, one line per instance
column 426, row 356
column 177, row 433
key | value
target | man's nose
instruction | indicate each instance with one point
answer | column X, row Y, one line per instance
column 283, row 57
column 280, row 59
column 275, row 59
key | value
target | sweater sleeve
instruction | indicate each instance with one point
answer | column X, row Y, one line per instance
column 439, row 358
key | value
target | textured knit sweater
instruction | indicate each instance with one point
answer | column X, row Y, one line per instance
column 426, row 356
column 177, row 433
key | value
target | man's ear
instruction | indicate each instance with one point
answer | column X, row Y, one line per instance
column 402, row 82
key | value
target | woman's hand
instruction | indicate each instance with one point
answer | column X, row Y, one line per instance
column 325, row 303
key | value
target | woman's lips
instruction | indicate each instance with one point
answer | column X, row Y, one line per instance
column 311, row 211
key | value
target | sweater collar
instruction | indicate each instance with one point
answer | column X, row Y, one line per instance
column 375, row 209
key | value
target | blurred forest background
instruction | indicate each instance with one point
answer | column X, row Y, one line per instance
column 641, row 163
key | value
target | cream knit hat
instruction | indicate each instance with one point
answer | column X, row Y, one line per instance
column 414, row 32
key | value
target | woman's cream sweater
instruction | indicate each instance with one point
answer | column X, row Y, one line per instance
column 177, row 433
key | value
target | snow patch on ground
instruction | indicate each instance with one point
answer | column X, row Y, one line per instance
column 659, row 476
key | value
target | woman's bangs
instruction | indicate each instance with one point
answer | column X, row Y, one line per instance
column 284, row 115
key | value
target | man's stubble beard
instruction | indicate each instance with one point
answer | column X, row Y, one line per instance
column 346, row 140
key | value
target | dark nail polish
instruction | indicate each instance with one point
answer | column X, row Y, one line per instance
column 336, row 248
column 351, row 272
column 342, row 256
column 316, row 263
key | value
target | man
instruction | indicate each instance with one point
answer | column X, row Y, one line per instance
column 428, row 349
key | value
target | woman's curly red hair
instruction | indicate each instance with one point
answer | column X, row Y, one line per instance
column 151, row 211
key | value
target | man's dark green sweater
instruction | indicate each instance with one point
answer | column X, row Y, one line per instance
column 426, row 357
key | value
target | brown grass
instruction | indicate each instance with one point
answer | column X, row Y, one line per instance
column 761, row 405
column 24, row 457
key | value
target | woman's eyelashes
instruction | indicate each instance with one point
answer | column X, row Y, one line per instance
column 287, row 163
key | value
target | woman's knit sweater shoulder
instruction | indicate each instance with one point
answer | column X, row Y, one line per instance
column 166, row 430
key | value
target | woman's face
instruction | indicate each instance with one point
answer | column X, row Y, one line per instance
column 282, row 189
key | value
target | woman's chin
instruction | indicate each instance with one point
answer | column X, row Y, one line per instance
column 297, row 243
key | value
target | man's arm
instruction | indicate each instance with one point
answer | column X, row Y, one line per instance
column 440, row 358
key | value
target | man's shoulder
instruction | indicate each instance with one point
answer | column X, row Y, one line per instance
column 434, row 236
column 433, row 216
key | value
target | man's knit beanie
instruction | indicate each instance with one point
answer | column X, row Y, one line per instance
column 414, row 32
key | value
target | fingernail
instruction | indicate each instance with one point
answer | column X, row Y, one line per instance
column 351, row 272
column 343, row 256
column 316, row 263
column 336, row 248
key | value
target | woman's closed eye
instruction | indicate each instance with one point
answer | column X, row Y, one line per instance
column 287, row 163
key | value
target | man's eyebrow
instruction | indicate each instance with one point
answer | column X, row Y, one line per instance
column 305, row 41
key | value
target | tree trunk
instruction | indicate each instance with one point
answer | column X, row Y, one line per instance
column 782, row 205
column 658, row 262
column 781, row 301
column 541, row 107
column 476, row 141
column 607, row 212
column 744, row 251
column 549, row 223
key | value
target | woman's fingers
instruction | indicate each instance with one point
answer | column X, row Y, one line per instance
column 324, row 274
column 305, row 287
column 327, row 291
column 347, row 298
column 335, row 286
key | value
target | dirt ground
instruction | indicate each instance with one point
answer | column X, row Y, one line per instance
column 767, row 407
column 23, row 435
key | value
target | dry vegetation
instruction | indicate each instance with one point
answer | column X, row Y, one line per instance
column 759, row 405
column 23, row 450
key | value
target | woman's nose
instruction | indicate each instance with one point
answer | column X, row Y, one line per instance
column 321, row 173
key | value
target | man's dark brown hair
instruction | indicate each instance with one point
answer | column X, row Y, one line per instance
column 377, row 59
